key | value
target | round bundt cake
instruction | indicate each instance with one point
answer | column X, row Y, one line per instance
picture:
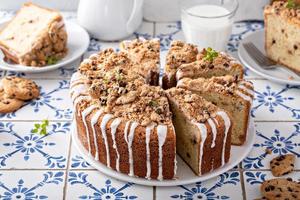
column 131, row 125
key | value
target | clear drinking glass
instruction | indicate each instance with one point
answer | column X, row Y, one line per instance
column 208, row 23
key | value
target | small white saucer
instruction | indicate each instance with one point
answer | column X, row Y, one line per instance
column 78, row 42
column 279, row 75
column 184, row 173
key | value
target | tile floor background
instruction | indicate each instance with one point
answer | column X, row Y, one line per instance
column 49, row 167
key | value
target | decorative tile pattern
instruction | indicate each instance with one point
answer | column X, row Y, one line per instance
column 216, row 188
column 277, row 139
column 54, row 103
column 275, row 102
column 29, row 162
column 31, row 185
column 94, row 185
column 19, row 148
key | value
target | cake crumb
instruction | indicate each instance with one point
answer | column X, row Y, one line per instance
column 291, row 78
column 268, row 151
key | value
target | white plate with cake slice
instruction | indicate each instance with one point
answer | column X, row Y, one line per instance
column 185, row 175
column 77, row 44
column 280, row 75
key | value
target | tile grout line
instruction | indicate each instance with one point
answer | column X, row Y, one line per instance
column 241, row 170
column 67, row 169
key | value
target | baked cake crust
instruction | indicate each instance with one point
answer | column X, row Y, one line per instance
column 222, row 65
column 238, row 90
column 123, row 122
column 213, row 130
column 179, row 53
column 48, row 43
column 282, row 27
column 146, row 54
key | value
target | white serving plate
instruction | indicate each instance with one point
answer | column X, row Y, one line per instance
column 184, row 173
column 280, row 75
column 78, row 42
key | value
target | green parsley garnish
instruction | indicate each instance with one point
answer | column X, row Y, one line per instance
column 210, row 54
column 41, row 128
column 51, row 60
column 292, row 4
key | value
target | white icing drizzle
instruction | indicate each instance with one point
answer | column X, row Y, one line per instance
column 129, row 140
column 84, row 114
column 214, row 132
column 249, row 91
column 162, row 134
column 175, row 161
column 78, row 100
column 94, row 120
column 227, row 123
column 104, row 121
column 203, row 133
column 148, row 133
column 244, row 96
column 114, row 125
column 76, row 76
column 78, row 90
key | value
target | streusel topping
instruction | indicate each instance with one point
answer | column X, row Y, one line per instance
column 281, row 8
column 194, row 106
column 181, row 53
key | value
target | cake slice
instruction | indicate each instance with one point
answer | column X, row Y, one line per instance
column 36, row 36
column 233, row 95
column 282, row 33
column 179, row 53
column 203, row 131
column 144, row 53
column 223, row 64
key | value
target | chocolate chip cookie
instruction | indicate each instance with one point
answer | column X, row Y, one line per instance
column 277, row 189
column 20, row 88
column 8, row 104
column 282, row 165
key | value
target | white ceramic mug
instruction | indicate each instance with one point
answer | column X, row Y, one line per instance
column 110, row 19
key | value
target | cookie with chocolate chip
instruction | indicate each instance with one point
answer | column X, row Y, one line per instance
column 20, row 88
column 8, row 104
column 280, row 188
column 282, row 165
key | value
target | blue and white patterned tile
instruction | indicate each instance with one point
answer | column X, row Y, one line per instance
column 94, row 185
column 60, row 73
column 279, row 138
column 31, row 185
column 53, row 103
column 220, row 187
column 275, row 102
column 254, row 179
column 77, row 161
column 22, row 149
column 167, row 32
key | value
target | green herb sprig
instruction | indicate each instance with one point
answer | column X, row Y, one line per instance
column 51, row 60
column 292, row 4
column 41, row 128
column 210, row 54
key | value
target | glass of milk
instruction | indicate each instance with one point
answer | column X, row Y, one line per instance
column 208, row 23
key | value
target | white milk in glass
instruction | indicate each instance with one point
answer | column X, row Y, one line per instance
column 207, row 32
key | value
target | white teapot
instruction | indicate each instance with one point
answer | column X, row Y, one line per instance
column 110, row 20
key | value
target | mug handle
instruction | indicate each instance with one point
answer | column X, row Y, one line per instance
column 137, row 6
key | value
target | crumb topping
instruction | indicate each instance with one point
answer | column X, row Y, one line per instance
column 117, row 88
column 281, row 8
column 181, row 53
column 194, row 106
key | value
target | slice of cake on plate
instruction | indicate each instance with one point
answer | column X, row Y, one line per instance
column 233, row 95
column 282, row 33
column 179, row 53
column 203, row 131
column 211, row 63
column 36, row 36
column 146, row 54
